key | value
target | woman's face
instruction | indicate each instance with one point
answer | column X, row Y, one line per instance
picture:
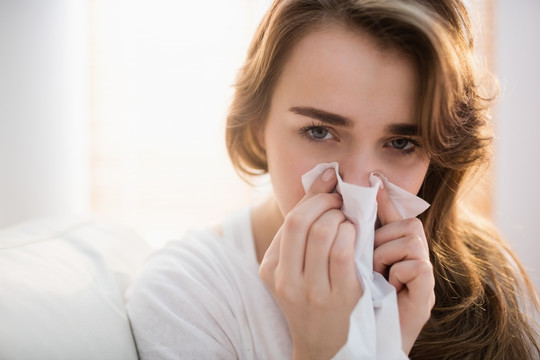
column 342, row 98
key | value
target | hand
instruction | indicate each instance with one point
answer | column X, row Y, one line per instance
column 309, row 268
column 402, row 255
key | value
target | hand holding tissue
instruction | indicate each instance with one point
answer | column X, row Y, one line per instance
column 374, row 331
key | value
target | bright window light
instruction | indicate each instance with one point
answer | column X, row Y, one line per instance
column 162, row 75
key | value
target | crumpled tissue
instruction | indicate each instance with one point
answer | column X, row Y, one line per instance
column 374, row 331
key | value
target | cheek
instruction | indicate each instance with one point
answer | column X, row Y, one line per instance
column 286, row 182
column 287, row 162
column 286, row 168
column 412, row 178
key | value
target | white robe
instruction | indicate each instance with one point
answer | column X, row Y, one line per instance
column 201, row 297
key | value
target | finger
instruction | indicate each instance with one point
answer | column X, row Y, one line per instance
column 321, row 236
column 410, row 247
column 399, row 229
column 387, row 211
column 295, row 230
column 317, row 201
column 417, row 277
column 414, row 283
column 325, row 183
column 271, row 256
column 342, row 269
column 270, row 261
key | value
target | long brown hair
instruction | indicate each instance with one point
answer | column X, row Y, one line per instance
column 481, row 290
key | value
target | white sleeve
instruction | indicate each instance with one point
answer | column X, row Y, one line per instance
column 178, row 306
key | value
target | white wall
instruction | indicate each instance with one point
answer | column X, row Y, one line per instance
column 517, row 165
column 44, row 100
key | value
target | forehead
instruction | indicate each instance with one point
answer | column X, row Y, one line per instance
column 348, row 73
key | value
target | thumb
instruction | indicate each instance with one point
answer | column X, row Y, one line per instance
column 387, row 211
column 325, row 183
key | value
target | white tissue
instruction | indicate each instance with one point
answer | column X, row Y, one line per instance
column 374, row 331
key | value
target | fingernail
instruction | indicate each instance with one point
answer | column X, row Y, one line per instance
column 328, row 175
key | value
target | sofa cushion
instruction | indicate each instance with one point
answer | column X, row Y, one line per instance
column 61, row 289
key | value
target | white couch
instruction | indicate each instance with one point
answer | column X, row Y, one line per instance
column 62, row 286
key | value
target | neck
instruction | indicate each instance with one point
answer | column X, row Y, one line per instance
column 266, row 219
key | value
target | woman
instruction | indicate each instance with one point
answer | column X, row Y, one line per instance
column 377, row 86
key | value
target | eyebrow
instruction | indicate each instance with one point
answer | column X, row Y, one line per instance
column 402, row 129
column 338, row 120
column 321, row 115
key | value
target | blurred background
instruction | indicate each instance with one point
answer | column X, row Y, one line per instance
column 116, row 108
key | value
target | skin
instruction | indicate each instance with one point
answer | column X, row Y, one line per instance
column 340, row 98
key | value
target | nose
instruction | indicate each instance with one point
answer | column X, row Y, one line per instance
column 356, row 167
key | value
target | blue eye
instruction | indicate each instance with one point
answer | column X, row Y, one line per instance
column 402, row 144
column 316, row 133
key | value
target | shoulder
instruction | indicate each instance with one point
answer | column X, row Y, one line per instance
column 188, row 298
column 204, row 262
column 171, row 299
column 210, row 253
column 503, row 270
column 493, row 289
